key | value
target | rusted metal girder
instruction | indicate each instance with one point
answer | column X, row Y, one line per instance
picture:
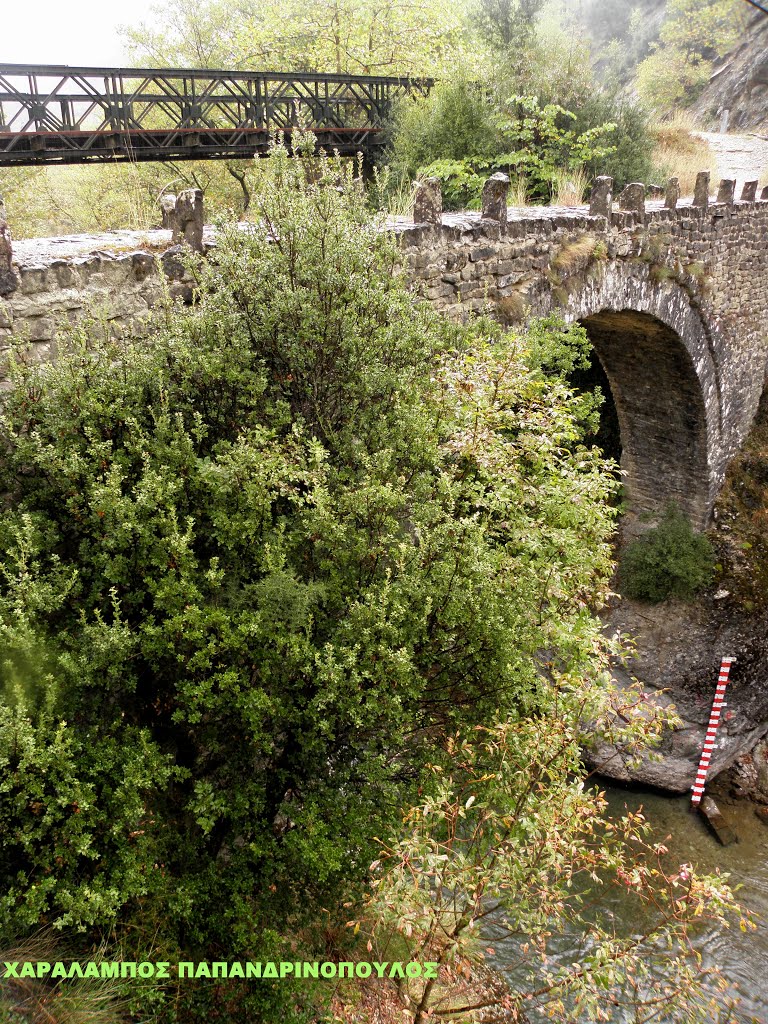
column 56, row 114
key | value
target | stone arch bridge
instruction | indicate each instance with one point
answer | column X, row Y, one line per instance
column 673, row 294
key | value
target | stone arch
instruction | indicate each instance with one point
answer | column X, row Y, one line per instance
column 658, row 356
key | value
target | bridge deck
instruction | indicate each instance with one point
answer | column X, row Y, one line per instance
column 57, row 114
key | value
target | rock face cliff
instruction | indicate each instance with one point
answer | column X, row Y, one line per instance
column 739, row 84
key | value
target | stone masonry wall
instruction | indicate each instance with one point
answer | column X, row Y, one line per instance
column 675, row 302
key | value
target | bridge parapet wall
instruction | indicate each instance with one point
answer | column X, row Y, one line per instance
column 675, row 300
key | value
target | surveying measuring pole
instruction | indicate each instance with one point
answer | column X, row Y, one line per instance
column 709, row 741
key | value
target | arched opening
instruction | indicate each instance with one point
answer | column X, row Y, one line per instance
column 658, row 406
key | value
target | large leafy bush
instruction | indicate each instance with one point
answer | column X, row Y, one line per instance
column 254, row 570
column 461, row 133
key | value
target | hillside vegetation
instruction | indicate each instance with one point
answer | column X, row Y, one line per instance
column 550, row 92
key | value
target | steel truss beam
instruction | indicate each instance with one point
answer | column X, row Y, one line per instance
column 55, row 114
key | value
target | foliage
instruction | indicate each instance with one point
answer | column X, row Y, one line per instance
column 86, row 844
column 462, row 187
column 505, row 25
column 669, row 560
column 630, row 157
column 456, row 121
column 679, row 65
column 510, row 847
column 621, row 34
column 558, row 68
column 709, row 29
column 382, row 37
column 539, row 142
column 670, row 78
column 253, row 571
column 459, row 135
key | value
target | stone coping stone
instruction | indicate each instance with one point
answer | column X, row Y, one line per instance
column 37, row 252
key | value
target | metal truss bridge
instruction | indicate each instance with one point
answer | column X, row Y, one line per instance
column 52, row 114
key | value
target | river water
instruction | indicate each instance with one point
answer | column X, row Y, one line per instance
column 742, row 958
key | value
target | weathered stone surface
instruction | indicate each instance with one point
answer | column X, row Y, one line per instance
column 672, row 195
column 168, row 210
column 494, row 200
column 142, row 265
column 701, row 190
column 655, row 191
column 428, row 202
column 188, row 220
column 716, row 820
column 726, row 191
column 8, row 280
column 764, row 194
column 172, row 264
column 601, row 198
column 750, row 772
column 632, row 198
column 749, row 192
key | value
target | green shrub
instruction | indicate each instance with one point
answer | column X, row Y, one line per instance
column 461, row 186
column 632, row 142
column 253, row 569
column 454, row 122
column 461, row 134
column 670, row 560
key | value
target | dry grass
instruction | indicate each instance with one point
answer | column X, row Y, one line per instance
column 397, row 198
column 33, row 1001
column 512, row 308
column 576, row 256
column 518, row 192
column 569, row 187
column 679, row 153
column 695, row 270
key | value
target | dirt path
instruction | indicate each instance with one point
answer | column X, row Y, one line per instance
column 743, row 157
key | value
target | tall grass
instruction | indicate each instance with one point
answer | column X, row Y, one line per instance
column 680, row 153
column 76, row 1001
column 518, row 191
column 569, row 187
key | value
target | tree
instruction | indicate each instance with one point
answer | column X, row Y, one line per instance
column 669, row 560
column 510, row 843
column 506, row 24
column 372, row 37
column 679, row 65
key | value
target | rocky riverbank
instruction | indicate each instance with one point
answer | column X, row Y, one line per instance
column 679, row 645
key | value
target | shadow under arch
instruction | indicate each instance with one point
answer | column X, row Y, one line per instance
column 661, row 410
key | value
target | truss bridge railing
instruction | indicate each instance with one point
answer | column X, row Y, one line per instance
column 56, row 114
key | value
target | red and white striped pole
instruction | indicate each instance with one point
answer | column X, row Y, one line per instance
column 709, row 741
